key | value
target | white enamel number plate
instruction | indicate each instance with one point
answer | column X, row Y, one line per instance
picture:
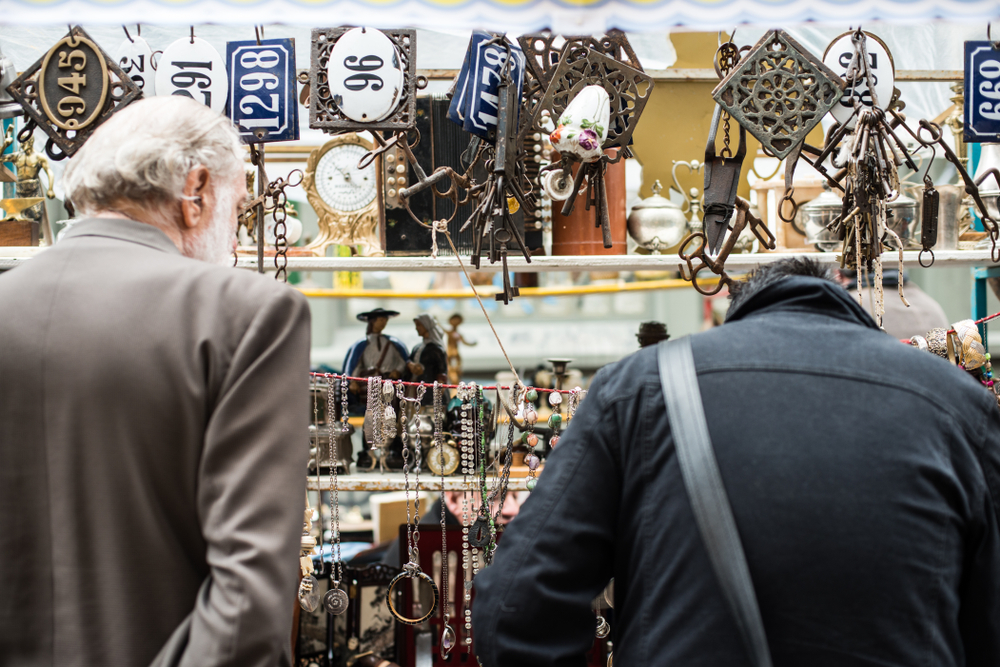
column 135, row 57
column 838, row 57
column 193, row 69
column 366, row 75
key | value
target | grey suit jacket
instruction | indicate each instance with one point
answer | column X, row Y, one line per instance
column 153, row 416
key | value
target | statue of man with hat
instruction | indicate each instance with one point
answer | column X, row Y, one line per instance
column 376, row 353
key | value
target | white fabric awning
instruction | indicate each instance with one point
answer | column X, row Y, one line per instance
column 580, row 16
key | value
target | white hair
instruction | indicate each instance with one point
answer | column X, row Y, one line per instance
column 144, row 153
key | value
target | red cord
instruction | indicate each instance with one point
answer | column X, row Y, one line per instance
column 443, row 386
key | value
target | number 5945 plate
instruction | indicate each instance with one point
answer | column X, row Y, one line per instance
column 263, row 103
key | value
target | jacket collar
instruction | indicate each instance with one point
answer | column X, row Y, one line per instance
column 804, row 294
column 123, row 230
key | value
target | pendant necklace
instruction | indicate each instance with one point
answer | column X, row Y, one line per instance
column 308, row 594
column 411, row 570
column 447, row 632
column 465, row 394
column 336, row 599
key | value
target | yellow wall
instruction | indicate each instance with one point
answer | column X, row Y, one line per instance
column 676, row 120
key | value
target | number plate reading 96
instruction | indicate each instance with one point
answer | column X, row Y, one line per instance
column 982, row 92
column 263, row 102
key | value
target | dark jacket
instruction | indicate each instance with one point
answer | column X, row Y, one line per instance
column 863, row 474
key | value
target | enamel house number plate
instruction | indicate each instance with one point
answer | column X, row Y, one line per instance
column 135, row 57
column 366, row 75
column 982, row 92
column 263, row 102
column 838, row 57
column 193, row 68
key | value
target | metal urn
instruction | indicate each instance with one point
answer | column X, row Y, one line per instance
column 656, row 223
column 819, row 213
column 905, row 220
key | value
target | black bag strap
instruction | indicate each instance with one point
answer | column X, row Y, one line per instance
column 708, row 497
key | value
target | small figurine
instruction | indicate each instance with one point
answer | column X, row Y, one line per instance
column 651, row 333
column 28, row 164
column 429, row 360
column 454, row 358
column 377, row 353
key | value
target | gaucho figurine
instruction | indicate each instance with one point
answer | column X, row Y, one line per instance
column 376, row 355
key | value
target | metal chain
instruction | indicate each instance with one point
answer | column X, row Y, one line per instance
column 412, row 529
column 438, row 419
column 314, row 445
column 726, row 57
column 334, row 452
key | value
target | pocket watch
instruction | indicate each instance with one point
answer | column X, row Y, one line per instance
column 450, row 451
column 345, row 197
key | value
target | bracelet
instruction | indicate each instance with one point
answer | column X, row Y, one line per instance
column 392, row 608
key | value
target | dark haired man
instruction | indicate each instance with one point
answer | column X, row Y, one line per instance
column 862, row 473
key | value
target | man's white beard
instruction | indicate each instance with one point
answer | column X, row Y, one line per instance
column 215, row 243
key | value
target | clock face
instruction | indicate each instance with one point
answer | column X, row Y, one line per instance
column 450, row 459
column 340, row 183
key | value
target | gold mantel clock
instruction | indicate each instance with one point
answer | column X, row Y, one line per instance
column 348, row 200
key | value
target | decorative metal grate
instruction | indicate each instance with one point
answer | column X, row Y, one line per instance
column 779, row 92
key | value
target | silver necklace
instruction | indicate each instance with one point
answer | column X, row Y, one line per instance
column 335, row 599
column 447, row 632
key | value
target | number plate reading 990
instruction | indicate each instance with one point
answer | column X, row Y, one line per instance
column 73, row 84
column 263, row 103
column 982, row 92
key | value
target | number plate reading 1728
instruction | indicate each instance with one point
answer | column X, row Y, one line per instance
column 263, row 102
column 982, row 92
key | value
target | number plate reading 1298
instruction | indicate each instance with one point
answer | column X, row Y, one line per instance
column 982, row 92
column 263, row 103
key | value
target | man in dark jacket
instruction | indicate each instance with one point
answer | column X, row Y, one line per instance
column 863, row 476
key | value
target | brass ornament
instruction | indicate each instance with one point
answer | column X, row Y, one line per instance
column 71, row 90
column 779, row 92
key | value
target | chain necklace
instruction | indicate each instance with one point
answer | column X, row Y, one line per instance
column 411, row 570
column 447, row 632
column 336, row 599
column 465, row 393
column 308, row 594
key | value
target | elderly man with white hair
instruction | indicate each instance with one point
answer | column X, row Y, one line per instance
column 153, row 406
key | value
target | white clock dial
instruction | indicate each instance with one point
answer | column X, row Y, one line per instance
column 340, row 183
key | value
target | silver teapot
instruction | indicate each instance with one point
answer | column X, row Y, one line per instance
column 656, row 223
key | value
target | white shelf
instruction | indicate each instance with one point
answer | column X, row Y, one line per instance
column 11, row 257
column 393, row 481
column 735, row 263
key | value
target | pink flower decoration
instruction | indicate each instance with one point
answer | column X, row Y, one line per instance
column 588, row 139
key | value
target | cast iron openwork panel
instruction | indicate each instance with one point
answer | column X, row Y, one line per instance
column 628, row 89
column 323, row 111
column 543, row 56
column 71, row 90
column 779, row 92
